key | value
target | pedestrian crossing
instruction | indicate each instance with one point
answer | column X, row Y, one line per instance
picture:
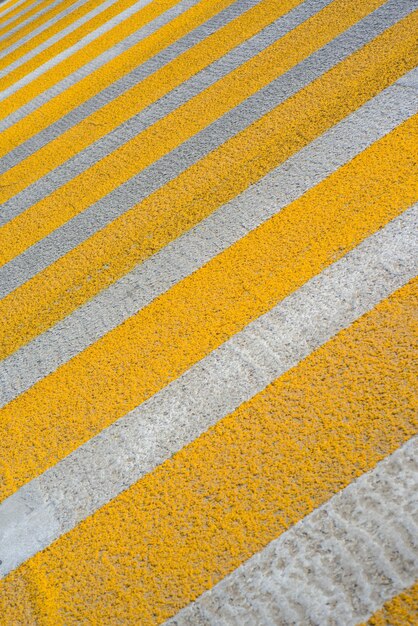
column 208, row 261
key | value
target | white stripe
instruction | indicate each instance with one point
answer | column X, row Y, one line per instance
column 120, row 455
column 334, row 568
column 30, row 19
column 214, row 234
column 16, row 45
column 101, row 213
column 108, row 25
column 20, row 14
column 13, row 6
column 144, row 118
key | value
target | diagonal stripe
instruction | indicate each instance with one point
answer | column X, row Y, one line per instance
column 12, row 8
column 232, row 79
column 106, row 116
column 40, row 21
column 198, row 516
column 16, row 25
column 336, row 566
column 12, row 56
column 75, row 76
column 159, row 343
column 145, row 138
column 214, row 234
column 100, row 260
column 401, row 610
column 232, row 374
column 74, row 30
column 158, row 38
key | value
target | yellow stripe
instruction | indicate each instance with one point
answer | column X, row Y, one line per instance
column 35, row 23
column 29, row 27
column 110, row 253
column 5, row 5
column 400, row 611
column 63, row 43
column 6, row 81
column 162, row 137
column 161, row 341
column 198, row 516
column 163, row 81
column 104, row 76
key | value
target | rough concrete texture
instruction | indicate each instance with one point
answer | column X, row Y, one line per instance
column 123, row 84
column 9, row 30
column 402, row 610
column 196, row 247
column 110, row 125
column 198, row 516
column 14, row 43
column 97, row 472
column 208, row 295
column 63, row 86
column 336, row 566
column 59, row 87
column 79, row 212
column 77, row 27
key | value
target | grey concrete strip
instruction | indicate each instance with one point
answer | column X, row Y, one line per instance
column 108, row 25
column 54, row 502
column 24, row 23
column 164, row 57
column 156, row 111
column 171, row 101
column 196, row 247
column 336, row 567
column 18, row 17
column 98, row 215
column 16, row 45
column 12, row 6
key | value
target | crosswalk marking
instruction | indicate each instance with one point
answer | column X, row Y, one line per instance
column 298, row 576
column 207, row 239
column 233, row 373
column 208, row 286
column 226, row 495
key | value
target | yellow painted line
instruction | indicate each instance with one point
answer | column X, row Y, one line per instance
column 63, row 43
column 158, row 84
column 30, row 26
column 400, row 611
column 5, row 8
column 199, row 515
column 163, row 136
column 34, row 24
column 41, row 38
column 139, row 233
column 155, row 346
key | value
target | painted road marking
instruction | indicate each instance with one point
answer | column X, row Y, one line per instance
column 207, row 307
column 103, row 17
column 234, row 372
column 92, row 87
column 72, row 69
column 338, row 565
column 208, row 301
column 15, row 26
column 159, row 139
column 199, row 515
column 207, row 239
column 229, row 169
column 231, row 82
column 10, row 10
column 399, row 611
